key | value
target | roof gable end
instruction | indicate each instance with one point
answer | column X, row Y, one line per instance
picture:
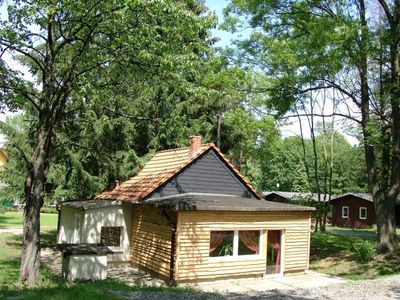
column 210, row 172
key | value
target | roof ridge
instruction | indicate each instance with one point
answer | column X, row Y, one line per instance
column 170, row 150
column 182, row 148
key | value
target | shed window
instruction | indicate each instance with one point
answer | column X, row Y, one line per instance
column 221, row 243
column 234, row 243
column 345, row 211
column 249, row 242
column 363, row 213
column 110, row 236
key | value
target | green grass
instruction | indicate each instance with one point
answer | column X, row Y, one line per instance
column 53, row 287
column 332, row 254
column 13, row 219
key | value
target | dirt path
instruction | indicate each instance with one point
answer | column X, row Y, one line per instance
column 360, row 234
column 16, row 231
column 379, row 289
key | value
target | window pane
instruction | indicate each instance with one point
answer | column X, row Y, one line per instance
column 221, row 243
column 110, row 236
column 345, row 211
column 363, row 213
column 249, row 242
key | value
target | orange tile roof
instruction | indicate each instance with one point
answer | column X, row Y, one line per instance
column 159, row 169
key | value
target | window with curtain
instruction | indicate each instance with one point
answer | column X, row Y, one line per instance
column 249, row 242
column 221, row 243
column 234, row 243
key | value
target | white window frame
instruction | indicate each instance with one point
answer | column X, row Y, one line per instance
column 359, row 213
column 348, row 212
column 235, row 255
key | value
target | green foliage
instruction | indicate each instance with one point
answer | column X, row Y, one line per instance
column 49, row 210
column 277, row 158
column 226, row 250
column 3, row 209
column 364, row 251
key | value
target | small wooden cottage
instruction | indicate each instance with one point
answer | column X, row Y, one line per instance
column 192, row 216
column 354, row 210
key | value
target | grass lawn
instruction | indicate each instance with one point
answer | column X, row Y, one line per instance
column 332, row 254
column 53, row 287
column 13, row 219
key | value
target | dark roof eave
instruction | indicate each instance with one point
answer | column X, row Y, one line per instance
column 178, row 207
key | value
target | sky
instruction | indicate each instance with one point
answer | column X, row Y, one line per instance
column 225, row 40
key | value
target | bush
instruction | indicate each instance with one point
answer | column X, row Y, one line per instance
column 49, row 210
column 3, row 209
column 364, row 251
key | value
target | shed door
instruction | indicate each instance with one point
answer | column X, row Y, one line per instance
column 274, row 252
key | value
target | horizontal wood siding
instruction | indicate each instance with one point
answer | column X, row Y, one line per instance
column 209, row 175
column 151, row 239
column 194, row 238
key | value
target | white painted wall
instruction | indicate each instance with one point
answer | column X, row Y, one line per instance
column 120, row 215
column 84, row 267
column 92, row 221
column 71, row 224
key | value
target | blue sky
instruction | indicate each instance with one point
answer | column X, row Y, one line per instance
column 217, row 6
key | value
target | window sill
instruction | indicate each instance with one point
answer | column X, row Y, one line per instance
column 116, row 250
column 235, row 258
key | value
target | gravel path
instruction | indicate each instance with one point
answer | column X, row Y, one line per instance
column 382, row 289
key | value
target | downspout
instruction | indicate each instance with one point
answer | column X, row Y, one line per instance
column 173, row 249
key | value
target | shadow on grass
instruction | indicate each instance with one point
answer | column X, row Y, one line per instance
column 388, row 264
column 107, row 289
column 48, row 239
column 7, row 221
column 324, row 245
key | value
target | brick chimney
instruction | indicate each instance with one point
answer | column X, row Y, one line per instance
column 116, row 184
column 194, row 144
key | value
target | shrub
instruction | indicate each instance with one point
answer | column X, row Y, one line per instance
column 364, row 251
column 3, row 209
column 49, row 210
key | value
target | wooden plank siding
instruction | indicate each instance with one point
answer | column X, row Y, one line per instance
column 193, row 239
column 151, row 239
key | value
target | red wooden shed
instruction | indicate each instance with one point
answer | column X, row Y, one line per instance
column 354, row 210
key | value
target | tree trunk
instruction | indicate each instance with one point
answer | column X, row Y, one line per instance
column 34, row 193
column 386, row 222
column 219, row 130
column 383, row 193
column 30, row 256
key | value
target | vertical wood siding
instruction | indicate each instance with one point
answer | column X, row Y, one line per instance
column 209, row 175
column 151, row 239
column 193, row 239
column 354, row 204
